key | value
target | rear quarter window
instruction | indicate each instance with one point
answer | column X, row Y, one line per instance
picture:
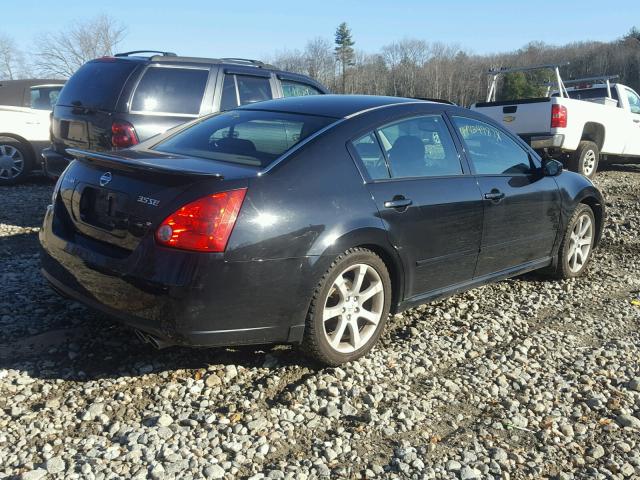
column 97, row 84
column 298, row 89
column 170, row 90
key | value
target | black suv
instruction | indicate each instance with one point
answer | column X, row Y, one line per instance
column 117, row 102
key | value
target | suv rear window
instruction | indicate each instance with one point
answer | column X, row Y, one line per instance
column 97, row 84
column 246, row 137
column 170, row 90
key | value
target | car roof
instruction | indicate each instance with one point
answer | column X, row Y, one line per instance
column 335, row 106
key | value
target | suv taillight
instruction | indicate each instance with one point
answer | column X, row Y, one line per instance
column 123, row 135
column 558, row 116
column 204, row 225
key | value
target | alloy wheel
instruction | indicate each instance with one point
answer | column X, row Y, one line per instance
column 11, row 162
column 589, row 163
column 580, row 243
column 353, row 308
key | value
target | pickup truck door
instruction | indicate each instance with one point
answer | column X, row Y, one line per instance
column 521, row 207
column 632, row 146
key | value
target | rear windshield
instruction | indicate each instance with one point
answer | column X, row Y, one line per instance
column 96, row 84
column 589, row 93
column 244, row 136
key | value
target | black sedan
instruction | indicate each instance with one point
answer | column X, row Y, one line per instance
column 308, row 220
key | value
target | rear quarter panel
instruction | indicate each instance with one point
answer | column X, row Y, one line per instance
column 581, row 112
column 307, row 210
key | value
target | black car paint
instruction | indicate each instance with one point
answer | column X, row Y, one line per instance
column 297, row 217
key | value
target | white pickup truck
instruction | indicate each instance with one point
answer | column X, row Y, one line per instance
column 25, row 107
column 579, row 122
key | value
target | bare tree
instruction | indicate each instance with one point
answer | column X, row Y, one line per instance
column 320, row 61
column 61, row 54
column 12, row 63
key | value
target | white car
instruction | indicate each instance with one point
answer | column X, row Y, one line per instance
column 25, row 107
column 579, row 123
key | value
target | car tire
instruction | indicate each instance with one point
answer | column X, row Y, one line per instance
column 577, row 244
column 15, row 162
column 585, row 159
column 337, row 328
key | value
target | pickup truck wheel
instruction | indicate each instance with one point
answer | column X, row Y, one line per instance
column 585, row 159
column 15, row 162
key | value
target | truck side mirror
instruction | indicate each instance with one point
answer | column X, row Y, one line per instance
column 552, row 168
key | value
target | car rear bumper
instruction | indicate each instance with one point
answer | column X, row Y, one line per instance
column 181, row 298
column 546, row 141
column 53, row 163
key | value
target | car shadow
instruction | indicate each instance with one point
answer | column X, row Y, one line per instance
column 23, row 243
column 82, row 345
column 620, row 167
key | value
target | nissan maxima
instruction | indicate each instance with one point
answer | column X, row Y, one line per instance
column 309, row 220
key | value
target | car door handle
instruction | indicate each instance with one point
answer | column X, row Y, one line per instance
column 494, row 196
column 398, row 202
column 635, row 120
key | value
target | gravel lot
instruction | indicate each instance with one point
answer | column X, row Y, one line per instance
column 526, row 378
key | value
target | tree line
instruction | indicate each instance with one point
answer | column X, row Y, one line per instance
column 417, row 68
column 408, row 67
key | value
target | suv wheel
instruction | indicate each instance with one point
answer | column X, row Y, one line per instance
column 577, row 243
column 349, row 308
column 15, row 162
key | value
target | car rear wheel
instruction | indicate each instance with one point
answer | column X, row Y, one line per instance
column 577, row 244
column 349, row 308
column 15, row 162
column 585, row 159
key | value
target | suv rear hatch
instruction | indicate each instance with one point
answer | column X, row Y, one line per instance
column 83, row 115
column 117, row 199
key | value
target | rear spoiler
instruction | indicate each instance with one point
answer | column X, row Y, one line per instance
column 159, row 164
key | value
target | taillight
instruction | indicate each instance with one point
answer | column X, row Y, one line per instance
column 204, row 225
column 123, row 134
column 558, row 116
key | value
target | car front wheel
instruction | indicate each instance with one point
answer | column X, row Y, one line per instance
column 577, row 243
column 349, row 308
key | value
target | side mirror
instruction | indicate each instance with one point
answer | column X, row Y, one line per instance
column 552, row 168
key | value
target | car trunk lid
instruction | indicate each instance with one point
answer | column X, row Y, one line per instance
column 118, row 198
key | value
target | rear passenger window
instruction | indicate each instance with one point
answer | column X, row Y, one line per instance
column 170, row 90
column 297, row 89
column 420, row 147
column 371, row 155
column 491, row 150
column 249, row 89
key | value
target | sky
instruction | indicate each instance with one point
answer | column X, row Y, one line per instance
column 258, row 29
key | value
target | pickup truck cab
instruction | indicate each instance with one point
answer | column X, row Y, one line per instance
column 25, row 108
column 579, row 123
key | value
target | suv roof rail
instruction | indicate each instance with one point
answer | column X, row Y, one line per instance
column 256, row 63
column 135, row 52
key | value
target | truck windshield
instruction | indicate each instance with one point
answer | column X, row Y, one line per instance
column 248, row 137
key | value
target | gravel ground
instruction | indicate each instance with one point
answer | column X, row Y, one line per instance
column 526, row 378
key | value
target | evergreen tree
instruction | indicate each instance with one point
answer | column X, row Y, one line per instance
column 633, row 33
column 344, row 51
